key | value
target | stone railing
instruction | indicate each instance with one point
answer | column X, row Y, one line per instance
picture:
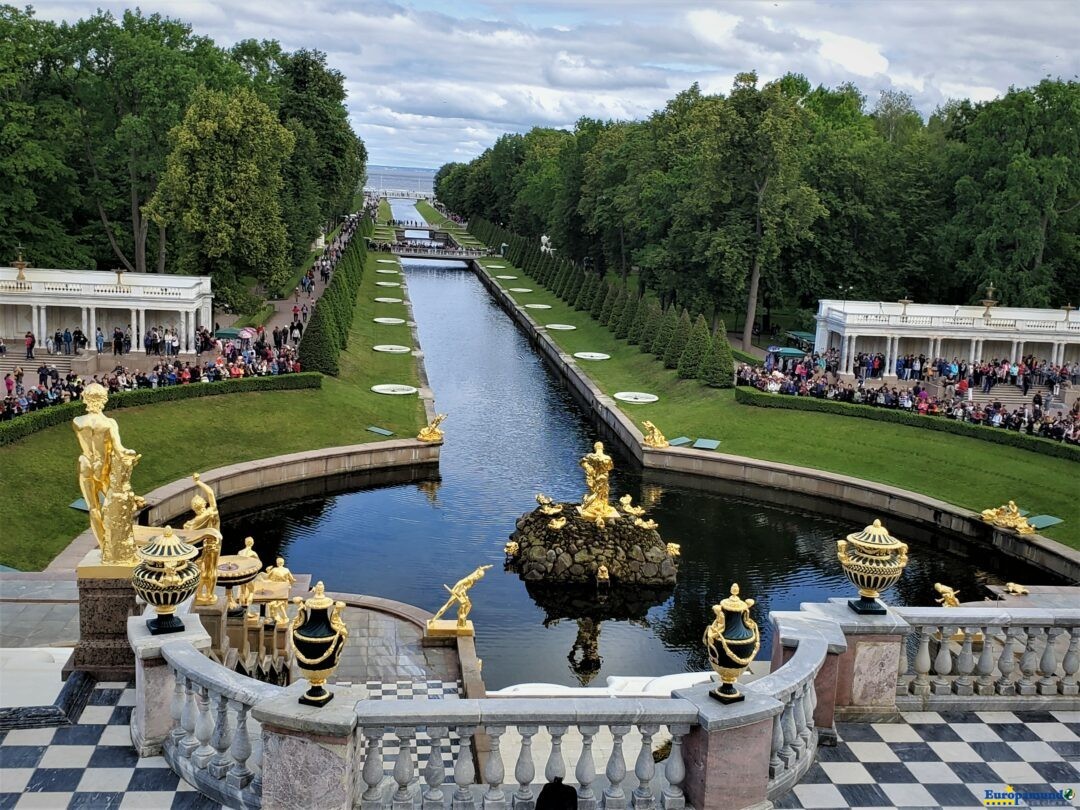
column 1008, row 324
column 214, row 744
column 989, row 658
column 399, row 726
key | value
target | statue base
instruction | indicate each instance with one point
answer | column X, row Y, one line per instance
column 106, row 600
column 445, row 628
column 865, row 606
column 316, row 696
column 734, row 696
column 160, row 625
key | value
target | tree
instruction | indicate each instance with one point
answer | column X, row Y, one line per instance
column 629, row 317
column 669, row 321
column 697, row 348
column 718, row 366
column 896, row 116
column 222, row 185
column 609, row 302
column 587, row 292
column 679, row 338
column 614, row 317
column 604, row 295
column 648, row 317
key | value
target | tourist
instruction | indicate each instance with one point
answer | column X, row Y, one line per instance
column 31, row 341
column 99, row 340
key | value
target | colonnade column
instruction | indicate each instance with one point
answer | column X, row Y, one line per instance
column 971, row 352
column 136, row 342
column 1019, row 349
column 91, row 335
column 142, row 330
column 890, row 357
column 191, row 331
column 843, row 352
column 85, row 322
column 850, row 369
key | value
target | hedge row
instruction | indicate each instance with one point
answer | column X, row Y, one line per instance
column 327, row 331
column 32, row 422
column 763, row 399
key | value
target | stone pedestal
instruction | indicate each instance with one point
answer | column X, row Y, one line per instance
column 106, row 600
column 727, row 753
column 788, row 628
column 866, row 671
column 151, row 719
column 448, row 628
column 212, row 618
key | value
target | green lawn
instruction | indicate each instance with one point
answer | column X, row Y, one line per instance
column 956, row 469
column 179, row 438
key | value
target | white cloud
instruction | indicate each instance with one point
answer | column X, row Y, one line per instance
column 852, row 54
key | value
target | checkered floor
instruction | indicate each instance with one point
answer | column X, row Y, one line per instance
column 943, row 760
column 92, row 765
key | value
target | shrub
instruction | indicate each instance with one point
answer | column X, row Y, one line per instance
column 648, row 323
column 587, row 292
column 327, row 331
column 618, row 308
column 679, row 338
column 697, row 349
column 718, row 367
column 664, row 332
column 609, row 303
column 629, row 317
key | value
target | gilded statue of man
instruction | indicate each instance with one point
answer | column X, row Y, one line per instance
column 205, row 508
column 105, row 463
column 460, row 594
column 208, row 562
column 597, row 466
column 247, row 590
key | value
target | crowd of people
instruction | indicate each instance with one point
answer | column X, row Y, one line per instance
column 815, row 375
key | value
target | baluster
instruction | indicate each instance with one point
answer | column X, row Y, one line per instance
column 902, row 669
column 1048, row 664
column 404, row 768
column 941, row 685
column 965, row 663
column 1029, row 662
column 645, row 769
column 464, row 771
column 798, row 716
column 187, row 718
column 776, row 765
column 204, row 729
column 222, row 737
column 176, row 709
column 1007, row 664
column 921, row 685
column 586, row 769
column 240, row 775
column 525, row 770
column 1071, row 664
column 372, row 797
column 675, row 771
column 787, row 724
column 256, row 760
column 984, row 669
column 494, row 796
column 614, row 798
column 806, row 722
column 555, row 766
column 434, row 769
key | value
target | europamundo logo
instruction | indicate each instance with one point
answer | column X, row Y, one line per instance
column 1011, row 797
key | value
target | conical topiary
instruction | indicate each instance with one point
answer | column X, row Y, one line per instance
column 697, row 347
column 718, row 367
column 617, row 309
column 572, row 289
column 665, row 331
column 629, row 317
column 587, row 291
column 602, row 312
column 648, row 323
column 673, row 351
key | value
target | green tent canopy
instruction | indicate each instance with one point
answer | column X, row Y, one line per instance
column 783, row 351
column 227, row 333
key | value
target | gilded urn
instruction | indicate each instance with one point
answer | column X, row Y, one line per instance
column 732, row 641
column 164, row 578
column 874, row 564
column 318, row 637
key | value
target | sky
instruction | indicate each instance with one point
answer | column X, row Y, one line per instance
column 430, row 82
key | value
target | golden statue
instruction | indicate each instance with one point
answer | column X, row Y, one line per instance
column 674, row 549
column 511, row 548
column 208, row 562
column 551, row 509
column 594, row 504
column 205, row 509
column 602, row 574
column 948, row 596
column 543, row 499
column 1008, row 517
column 275, row 608
column 653, row 436
column 1016, row 589
column 645, row 524
column 105, row 463
column 247, row 590
column 460, row 594
column 431, row 432
column 556, row 523
column 632, row 511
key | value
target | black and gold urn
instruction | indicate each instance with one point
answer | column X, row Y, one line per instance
column 874, row 563
column 732, row 641
column 318, row 637
column 164, row 578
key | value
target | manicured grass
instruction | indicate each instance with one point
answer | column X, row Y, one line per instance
column 179, row 438
column 956, row 469
column 431, row 215
column 385, row 212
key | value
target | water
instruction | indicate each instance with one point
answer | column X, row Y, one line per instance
column 400, row 178
column 513, row 431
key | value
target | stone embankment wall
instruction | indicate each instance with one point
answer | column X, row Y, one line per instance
column 1036, row 550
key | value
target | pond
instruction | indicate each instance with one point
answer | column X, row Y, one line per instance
column 513, row 430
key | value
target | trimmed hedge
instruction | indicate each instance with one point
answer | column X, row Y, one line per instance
column 27, row 424
column 763, row 399
column 327, row 331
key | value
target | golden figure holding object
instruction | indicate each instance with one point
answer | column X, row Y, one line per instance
column 247, row 589
column 653, row 436
column 556, row 523
column 648, row 525
column 632, row 511
column 208, row 563
column 279, row 573
column 551, row 509
column 874, row 565
column 594, row 504
column 948, row 596
column 105, row 468
column 543, row 499
column 205, row 508
column 431, row 432
column 459, row 594
column 732, row 641
column 1008, row 516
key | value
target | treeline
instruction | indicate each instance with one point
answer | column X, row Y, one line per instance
column 135, row 143
column 786, row 194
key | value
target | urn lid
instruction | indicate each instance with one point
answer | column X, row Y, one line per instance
column 320, row 600
column 734, row 604
column 874, row 539
column 166, row 547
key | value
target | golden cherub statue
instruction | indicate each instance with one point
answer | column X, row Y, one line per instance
column 653, row 437
column 543, row 499
column 1008, row 517
column 632, row 511
column 551, row 509
column 247, row 590
column 948, row 596
column 205, row 508
column 106, row 465
column 556, row 523
column 431, row 432
column 648, row 525
column 674, row 549
column 1016, row 589
column 460, row 594
column 594, row 504
column 511, row 548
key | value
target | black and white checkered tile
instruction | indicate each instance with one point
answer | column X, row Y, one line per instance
column 91, row 765
column 408, row 690
column 944, row 760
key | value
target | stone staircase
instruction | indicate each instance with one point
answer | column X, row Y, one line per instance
column 1012, row 396
column 9, row 361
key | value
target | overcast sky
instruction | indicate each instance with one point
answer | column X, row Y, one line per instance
column 436, row 81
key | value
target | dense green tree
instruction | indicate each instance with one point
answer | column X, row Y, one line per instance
column 587, row 292
column 605, row 297
column 697, row 348
column 669, row 322
column 648, row 324
column 679, row 338
column 618, row 308
column 610, row 300
column 628, row 319
column 718, row 366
